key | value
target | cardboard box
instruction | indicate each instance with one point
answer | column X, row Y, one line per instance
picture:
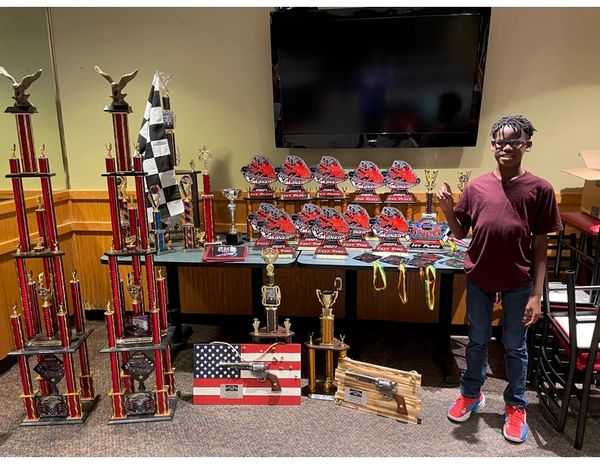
column 590, row 197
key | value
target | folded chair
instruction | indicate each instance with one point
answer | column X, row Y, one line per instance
column 567, row 357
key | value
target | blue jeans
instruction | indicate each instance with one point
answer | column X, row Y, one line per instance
column 514, row 334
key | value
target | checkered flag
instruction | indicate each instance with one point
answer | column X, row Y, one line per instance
column 158, row 164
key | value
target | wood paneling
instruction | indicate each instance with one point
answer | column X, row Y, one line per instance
column 84, row 230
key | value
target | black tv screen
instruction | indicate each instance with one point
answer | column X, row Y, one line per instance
column 378, row 77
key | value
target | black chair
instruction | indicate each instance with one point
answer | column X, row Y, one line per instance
column 567, row 356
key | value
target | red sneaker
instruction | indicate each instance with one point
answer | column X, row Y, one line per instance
column 515, row 424
column 462, row 408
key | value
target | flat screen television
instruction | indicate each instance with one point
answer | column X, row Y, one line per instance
column 378, row 77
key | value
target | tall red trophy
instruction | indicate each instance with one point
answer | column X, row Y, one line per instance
column 49, row 337
column 138, row 340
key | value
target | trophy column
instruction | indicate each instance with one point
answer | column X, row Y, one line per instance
column 271, row 299
column 327, row 343
column 49, row 338
column 138, row 339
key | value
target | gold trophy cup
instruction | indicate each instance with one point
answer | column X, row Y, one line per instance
column 232, row 194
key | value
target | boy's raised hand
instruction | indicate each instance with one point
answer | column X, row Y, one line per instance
column 444, row 196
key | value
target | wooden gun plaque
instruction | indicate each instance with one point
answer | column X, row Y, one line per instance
column 384, row 391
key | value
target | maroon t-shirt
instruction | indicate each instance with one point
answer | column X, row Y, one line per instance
column 504, row 217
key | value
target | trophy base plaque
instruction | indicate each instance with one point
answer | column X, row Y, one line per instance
column 86, row 408
column 356, row 243
column 329, row 192
column 232, row 239
column 149, row 417
column 400, row 196
column 283, row 249
column 309, row 243
column 366, row 196
column 263, row 333
column 390, row 245
column 426, row 245
column 261, row 191
column 294, row 193
column 331, row 250
column 263, row 242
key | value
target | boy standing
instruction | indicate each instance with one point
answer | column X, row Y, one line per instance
column 510, row 212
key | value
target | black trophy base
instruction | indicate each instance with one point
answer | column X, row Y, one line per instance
column 232, row 239
column 86, row 407
column 149, row 417
column 118, row 108
column 320, row 392
column 21, row 109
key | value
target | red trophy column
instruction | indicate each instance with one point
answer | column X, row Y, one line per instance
column 207, row 197
column 28, row 394
column 85, row 379
column 118, row 403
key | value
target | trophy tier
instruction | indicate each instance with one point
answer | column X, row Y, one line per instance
column 281, row 333
column 337, row 345
column 118, row 109
column 21, row 110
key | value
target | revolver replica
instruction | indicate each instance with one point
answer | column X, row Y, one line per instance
column 385, row 387
column 259, row 369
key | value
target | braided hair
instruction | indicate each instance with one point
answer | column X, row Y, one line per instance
column 517, row 122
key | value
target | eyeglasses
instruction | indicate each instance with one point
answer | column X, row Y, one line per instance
column 514, row 143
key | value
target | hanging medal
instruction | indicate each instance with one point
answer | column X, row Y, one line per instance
column 378, row 269
column 402, row 284
column 428, row 277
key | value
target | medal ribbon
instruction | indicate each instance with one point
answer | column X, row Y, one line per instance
column 428, row 278
column 378, row 268
column 402, row 283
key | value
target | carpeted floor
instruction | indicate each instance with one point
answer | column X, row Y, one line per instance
column 316, row 428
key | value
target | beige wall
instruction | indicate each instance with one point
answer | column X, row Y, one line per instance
column 542, row 62
column 24, row 49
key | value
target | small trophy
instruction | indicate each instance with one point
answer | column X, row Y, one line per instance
column 294, row 174
column 302, row 221
column 430, row 177
column 463, row 178
column 261, row 173
column 232, row 194
column 366, row 178
column 327, row 343
column 399, row 178
column 275, row 227
column 205, row 155
column 390, row 226
column 427, row 233
column 328, row 174
column 330, row 227
column 189, row 230
column 358, row 221
column 157, row 231
column 271, row 299
column 168, row 116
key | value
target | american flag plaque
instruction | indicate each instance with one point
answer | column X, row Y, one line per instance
column 265, row 374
